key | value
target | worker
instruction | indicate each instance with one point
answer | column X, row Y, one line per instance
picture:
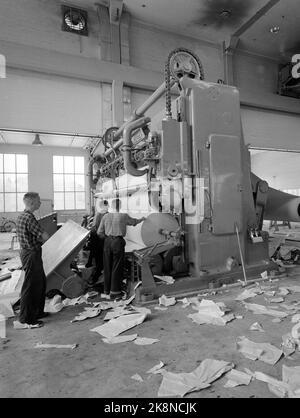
column 97, row 243
column 31, row 237
column 113, row 227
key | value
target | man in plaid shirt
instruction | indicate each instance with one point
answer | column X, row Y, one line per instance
column 31, row 237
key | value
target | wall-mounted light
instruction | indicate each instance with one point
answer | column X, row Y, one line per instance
column 37, row 140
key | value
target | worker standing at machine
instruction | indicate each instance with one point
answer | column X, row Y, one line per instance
column 31, row 237
column 113, row 227
column 97, row 243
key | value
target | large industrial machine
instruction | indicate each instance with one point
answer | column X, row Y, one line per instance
column 188, row 170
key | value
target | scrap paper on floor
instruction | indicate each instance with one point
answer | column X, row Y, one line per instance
column 41, row 345
column 87, row 313
column 157, row 368
column 211, row 313
column 166, row 301
column 237, row 378
column 116, row 326
column 261, row 309
column 265, row 352
column 180, row 384
column 145, row 341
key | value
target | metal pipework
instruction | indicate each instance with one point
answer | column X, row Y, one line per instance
column 139, row 123
column 138, row 113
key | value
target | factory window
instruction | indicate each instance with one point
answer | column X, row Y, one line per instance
column 69, row 182
column 13, row 181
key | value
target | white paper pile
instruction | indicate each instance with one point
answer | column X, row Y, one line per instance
column 211, row 313
column 166, row 301
column 262, row 351
column 237, row 378
column 180, row 384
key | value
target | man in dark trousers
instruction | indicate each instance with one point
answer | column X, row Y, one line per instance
column 97, row 242
column 113, row 227
column 31, row 237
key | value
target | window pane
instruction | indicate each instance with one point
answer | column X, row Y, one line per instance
column 69, row 200
column 69, row 165
column 10, row 182
column 79, row 165
column 1, row 202
column 1, row 163
column 58, row 182
column 80, row 200
column 20, row 203
column 58, row 164
column 69, row 183
column 1, row 182
column 10, row 202
column 9, row 163
column 22, row 166
column 22, row 182
column 79, row 183
column 59, row 201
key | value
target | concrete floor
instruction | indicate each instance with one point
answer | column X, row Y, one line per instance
column 96, row 369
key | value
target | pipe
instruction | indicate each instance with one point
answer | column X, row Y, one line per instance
column 139, row 123
column 138, row 113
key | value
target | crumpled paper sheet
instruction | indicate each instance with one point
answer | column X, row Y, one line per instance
column 53, row 305
column 166, row 301
column 211, row 313
column 262, row 351
column 124, row 310
column 116, row 326
column 261, row 309
column 289, row 387
column 180, row 384
column 288, row 345
column 87, row 313
column 120, row 339
column 237, row 378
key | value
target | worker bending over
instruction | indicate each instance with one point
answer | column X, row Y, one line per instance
column 113, row 227
column 31, row 237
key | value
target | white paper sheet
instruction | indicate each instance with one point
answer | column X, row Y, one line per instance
column 166, row 301
column 179, row 384
column 116, row 326
column 145, row 341
column 263, row 310
column 41, row 345
column 237, row 378
column 265, row 352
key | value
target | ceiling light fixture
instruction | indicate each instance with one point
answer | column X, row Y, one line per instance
column 74, row 20
column 37, row 140
column 274, row 29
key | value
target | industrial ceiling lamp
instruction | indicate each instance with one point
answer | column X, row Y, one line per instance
column 74, row 20
column 37, row 140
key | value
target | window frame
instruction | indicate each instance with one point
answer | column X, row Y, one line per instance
column 15, row 172
column 73, row 190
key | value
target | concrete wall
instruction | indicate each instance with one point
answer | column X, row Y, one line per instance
column 40, row 173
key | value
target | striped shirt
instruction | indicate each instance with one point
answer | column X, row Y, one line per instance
column 29, row 231
column 114, row 224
